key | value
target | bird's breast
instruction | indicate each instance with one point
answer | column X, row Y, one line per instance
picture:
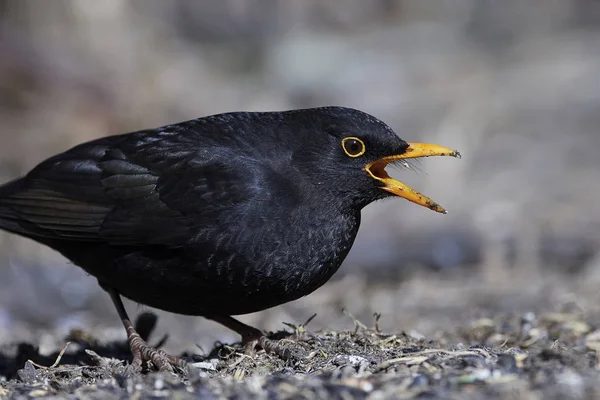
column 282, row 261
column 236, row 269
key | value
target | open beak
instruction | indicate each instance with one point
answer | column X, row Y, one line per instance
column 376, row 170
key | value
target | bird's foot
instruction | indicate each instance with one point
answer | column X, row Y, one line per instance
column 282, row 348
column 286, row 347
column 143, row 353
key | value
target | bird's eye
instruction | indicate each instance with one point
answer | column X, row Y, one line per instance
column 353, row 146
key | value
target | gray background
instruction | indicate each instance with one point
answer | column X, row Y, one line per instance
column 514, row 85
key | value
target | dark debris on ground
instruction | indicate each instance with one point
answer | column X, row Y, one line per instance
column 527, row 356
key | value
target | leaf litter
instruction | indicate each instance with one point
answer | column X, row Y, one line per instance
column 508, row 356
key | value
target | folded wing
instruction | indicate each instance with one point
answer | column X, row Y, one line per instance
column 148, row 187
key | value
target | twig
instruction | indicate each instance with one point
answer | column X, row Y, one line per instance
column 377, row 318
column 357, row 324
column 239, row 360
column 55, row 362
column 309, row 320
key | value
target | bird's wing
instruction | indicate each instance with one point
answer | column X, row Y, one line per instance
column 149, row 187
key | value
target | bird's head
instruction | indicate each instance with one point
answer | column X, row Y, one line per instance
column 359, row 148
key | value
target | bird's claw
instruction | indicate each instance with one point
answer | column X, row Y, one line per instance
column 282, row 348
column 143, row 353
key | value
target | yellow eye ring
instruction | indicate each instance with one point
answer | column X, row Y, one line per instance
column 353, row 146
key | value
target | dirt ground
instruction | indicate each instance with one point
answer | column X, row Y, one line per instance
column 532, row 338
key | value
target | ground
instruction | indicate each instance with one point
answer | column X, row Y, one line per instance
column 531, row 354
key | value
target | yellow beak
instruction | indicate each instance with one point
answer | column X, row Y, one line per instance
column 376, row 170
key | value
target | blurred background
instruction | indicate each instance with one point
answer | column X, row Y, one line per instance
column 514, row 85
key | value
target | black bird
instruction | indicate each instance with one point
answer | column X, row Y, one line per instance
column 217, row 216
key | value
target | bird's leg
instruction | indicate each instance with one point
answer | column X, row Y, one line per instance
column 140, row 350
column 252, row 336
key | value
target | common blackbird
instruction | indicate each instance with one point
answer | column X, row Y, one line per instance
column 217, row 216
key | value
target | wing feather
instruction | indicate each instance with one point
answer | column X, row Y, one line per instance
column 148, row 187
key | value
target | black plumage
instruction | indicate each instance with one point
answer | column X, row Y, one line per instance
column 216, row 216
